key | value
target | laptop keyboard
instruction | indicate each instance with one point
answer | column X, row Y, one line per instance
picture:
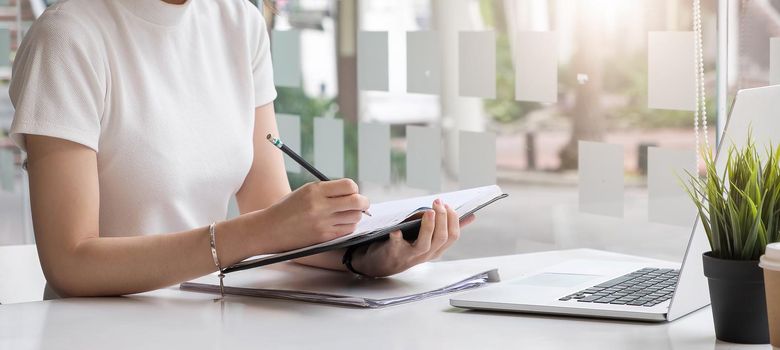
column 645, row 287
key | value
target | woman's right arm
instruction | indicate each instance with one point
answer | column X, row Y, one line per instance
column 76, row 261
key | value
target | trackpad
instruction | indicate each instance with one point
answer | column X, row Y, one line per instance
column 550, row 279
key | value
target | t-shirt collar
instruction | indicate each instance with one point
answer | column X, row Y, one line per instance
column 158, row 11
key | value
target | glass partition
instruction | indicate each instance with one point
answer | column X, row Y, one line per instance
column 511, row 88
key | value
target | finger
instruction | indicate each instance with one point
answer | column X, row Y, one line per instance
column 397, row 237
column 396, row 242
column 453, row 232
column 346, row 217
column 342, row 230
column 338, row 188
column 467, row 220
column 440, row 232
column 423, row 242
column 347, row 203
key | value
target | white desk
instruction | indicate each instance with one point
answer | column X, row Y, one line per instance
column 21, row 278
column 171, row 319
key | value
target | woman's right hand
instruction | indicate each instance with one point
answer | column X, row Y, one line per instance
column 314, row 213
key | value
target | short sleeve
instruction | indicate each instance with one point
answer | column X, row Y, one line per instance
column 262, row 67
column 58, row 85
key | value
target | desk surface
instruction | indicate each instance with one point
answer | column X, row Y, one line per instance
column 169, row 318
column 21, row 278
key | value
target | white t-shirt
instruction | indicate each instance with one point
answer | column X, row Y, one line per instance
column 165, row 94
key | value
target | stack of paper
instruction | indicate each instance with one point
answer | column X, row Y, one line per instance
column 296, row 282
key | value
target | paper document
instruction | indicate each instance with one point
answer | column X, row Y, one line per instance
column 391, row 213
column 297, row 282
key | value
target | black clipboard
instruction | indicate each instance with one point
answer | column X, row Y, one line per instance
column 408, row 228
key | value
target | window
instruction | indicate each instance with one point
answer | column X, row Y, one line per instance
column 549, row 82
column 596, row 91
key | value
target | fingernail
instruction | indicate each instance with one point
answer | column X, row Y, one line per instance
column 437, row 201
column 447, row 206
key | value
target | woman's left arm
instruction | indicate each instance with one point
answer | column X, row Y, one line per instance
column 267, row 183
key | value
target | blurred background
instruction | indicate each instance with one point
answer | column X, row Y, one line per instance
column 602, row 96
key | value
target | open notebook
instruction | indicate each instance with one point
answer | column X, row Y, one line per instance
column 386, row 217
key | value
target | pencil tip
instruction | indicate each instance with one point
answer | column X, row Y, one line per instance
column 269, row 137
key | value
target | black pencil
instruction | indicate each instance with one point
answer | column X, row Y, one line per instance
column 298, row 159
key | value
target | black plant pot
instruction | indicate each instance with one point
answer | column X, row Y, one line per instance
column 738, row 300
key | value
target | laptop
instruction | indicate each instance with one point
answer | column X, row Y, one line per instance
column 633, row 291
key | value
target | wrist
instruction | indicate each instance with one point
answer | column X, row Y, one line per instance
column 240, row 237
column 255, row 232
column 359, row 262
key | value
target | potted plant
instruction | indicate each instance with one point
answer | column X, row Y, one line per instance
column 739, row 212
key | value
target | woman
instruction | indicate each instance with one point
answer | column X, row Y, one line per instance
column 140, row 119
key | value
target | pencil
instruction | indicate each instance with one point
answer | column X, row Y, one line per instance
column 298, row 159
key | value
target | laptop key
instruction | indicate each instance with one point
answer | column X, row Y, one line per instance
column 588, row 299
column 648, row 287
column 615, row 281
column 604, row 300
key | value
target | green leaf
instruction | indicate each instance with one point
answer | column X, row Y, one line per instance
column 740, row 207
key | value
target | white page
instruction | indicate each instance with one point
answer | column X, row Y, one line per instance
column 391, row 213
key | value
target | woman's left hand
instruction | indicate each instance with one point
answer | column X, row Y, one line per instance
column 440, row 228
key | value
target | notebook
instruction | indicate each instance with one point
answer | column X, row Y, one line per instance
column 302, row 283
column 387, row 217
